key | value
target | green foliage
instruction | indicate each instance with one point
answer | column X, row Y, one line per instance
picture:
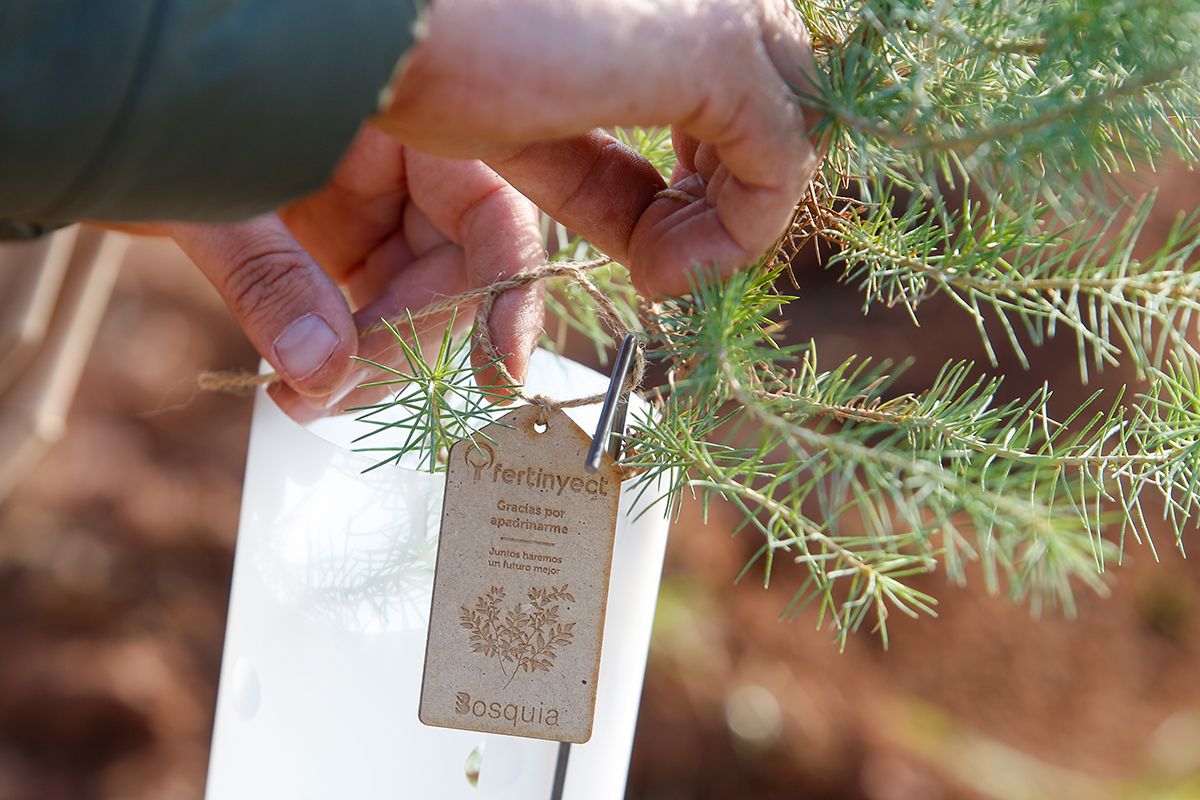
column 429, row 407
column 653, row 143
column 865, row 488
column 1019, row 95
column 1035, row 275
column 971, row 149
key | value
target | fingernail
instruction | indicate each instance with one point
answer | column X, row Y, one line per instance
column 305, row 346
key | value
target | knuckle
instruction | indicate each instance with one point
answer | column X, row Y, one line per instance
column 739, row 125
column 264, row 282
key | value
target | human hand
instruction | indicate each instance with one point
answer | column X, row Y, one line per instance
column 523, row 83
column 397, row 230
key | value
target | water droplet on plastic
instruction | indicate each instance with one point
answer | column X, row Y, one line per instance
column 473, row 765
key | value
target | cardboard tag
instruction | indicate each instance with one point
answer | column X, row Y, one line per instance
column 521, row 582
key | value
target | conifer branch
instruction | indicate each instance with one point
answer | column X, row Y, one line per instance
column 970, row 149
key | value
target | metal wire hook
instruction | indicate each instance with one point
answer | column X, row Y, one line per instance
column 615, row 408
column 610, row 432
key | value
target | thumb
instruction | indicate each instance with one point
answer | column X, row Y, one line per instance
column 288, row 307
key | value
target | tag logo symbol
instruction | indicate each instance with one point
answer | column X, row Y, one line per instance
column 527, row 636
column 479, row 456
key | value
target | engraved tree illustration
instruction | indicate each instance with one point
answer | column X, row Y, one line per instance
column 525, row 637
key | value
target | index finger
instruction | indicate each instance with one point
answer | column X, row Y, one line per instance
column 591, row 183
column 499, row 234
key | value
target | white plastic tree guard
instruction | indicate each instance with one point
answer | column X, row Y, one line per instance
column 325, row 640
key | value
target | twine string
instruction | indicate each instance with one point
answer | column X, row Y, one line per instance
column 238, row 382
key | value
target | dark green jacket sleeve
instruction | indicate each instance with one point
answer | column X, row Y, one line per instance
column 183, row 109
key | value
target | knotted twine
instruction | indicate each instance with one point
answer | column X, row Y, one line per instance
column 576, row 271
